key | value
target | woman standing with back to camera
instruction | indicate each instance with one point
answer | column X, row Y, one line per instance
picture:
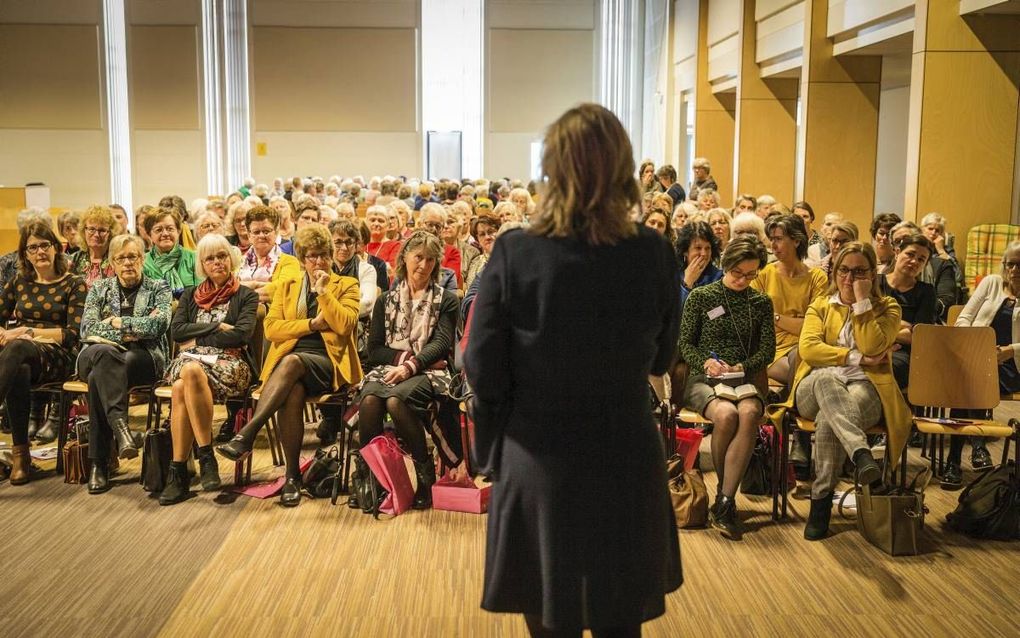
column 581, row 533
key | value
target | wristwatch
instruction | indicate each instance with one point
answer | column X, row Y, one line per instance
column 776, row 317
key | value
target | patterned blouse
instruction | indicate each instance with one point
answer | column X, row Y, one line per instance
column 81, row 264
column 255, row 269
column 736, row 326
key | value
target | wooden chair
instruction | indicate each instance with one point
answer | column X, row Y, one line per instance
column 954, row 314
column 69, row 391
column 956, row 367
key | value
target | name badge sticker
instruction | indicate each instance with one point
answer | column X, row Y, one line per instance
column 716, row 312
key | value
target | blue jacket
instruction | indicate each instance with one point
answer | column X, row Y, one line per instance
column 149, row 323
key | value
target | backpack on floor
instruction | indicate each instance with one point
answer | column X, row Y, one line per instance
column 990, row 506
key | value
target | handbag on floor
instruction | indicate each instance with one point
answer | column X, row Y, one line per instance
column 77, row 463
column 157, row 449
column 386, row 460
column 323, row 472
column 990, row 506
column 688, row 494
column 893, row 521
column 365, row 489
column 757, row 480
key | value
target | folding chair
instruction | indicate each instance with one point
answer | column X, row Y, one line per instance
column 954, row 314
column 970, row 354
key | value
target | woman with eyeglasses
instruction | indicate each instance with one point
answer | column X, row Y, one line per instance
column 45, row 301
column 845, row 381
column 124, row 331
column 484, row 230
column 92, row 261
column 311, row 326
column 264, row 264
column 915, row 297
column 727, row 329
column 237, row 230
column 213, row 327
column 167, row 259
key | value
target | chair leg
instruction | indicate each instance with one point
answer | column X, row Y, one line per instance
column 784, row 458
column 65, row 415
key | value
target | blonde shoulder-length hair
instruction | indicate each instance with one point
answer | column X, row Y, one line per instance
column 589, row 166
column 869, row 254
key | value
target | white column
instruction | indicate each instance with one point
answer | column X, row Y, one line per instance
column 117, row 113
column 238, row 119
column 212, row 46
column 621, row 58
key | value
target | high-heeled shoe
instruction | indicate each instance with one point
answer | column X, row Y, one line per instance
column 291, row 494
column 236, row 449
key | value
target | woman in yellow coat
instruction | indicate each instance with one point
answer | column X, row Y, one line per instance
column 311, row 324
column 845, row 381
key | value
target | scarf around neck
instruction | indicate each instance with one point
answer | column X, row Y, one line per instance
column 208, row 296
column 165, row 266
column 410, row 323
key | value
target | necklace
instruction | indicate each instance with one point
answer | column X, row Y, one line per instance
column 733, row 320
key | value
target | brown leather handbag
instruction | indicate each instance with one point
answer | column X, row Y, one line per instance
column 688, row 493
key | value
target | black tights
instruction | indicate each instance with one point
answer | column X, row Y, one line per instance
column 537, row 630
column 19, row 364
column 956, row 442
column 409, row 427
column 283, row 396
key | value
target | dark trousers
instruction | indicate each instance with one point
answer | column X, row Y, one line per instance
column 20, row 364
column 901, row 367
column 109, row 373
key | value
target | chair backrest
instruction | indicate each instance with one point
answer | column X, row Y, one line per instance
column 954, row 314
column 953, row 367
column 986, row 244
column 259, row 348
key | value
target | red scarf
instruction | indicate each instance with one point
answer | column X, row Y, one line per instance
column 207, row 295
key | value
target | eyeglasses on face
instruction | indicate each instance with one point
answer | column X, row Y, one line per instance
column 1011, row 265
column 316, row 256
column 344, row 243
column 40, row 247
column 261, row 232
column 127, row 259
column 93, row 230
column 743, row 276
column 220, row 256
column 163, row 230
column 857, row 273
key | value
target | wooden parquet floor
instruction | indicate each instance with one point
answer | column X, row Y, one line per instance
column 220, row 565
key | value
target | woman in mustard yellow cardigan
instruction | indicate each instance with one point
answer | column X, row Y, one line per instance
column 311, row 325
column 845, row 381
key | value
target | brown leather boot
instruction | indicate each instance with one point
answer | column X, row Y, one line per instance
column 22, row 469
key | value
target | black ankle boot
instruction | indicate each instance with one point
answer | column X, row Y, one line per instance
column 867, row 470
column 227, row 428
column 291, row 494
column 426, row 473
column 327, row 431
column 48, row 432
column 723, row 517
column 99, row 477
column 36, row 414
column 178, row 484
column 125, row 438
column 238, row 448
column 817, row 526
column 208, row 469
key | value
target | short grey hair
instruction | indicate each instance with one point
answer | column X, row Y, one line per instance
column 212, row 244
column 701, row 162
column 120, row 242
column 33, row 215
column 936, row 219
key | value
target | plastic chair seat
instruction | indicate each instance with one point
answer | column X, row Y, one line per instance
column 979, row 427
column 79, row 387
column 690, row 416
column 807, row 425
column 164, row 391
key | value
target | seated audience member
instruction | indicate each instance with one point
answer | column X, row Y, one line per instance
column 765, row 204
column 168, row 260
column 666, row 176
column 433, row 220
column 484, row 230
column 455, row 235
column 933, row 225
column 411, row 340
column 845, row 381
column 682, row 214
column 521, row 198
column 67, row 224
column 818, row 251
column 943, row 274
column 180, row 210
column 738, row 339
column 720, row 220
column 381, row 267
column 46, row 301
column 646, row 202
column 344, row 210
column 881, row 239
column 124, row 334
column 237, row 229
column 208, row 223
column 214, row 320
column 915, row 297
column 992, row 304
column 393, row 230
column 285, row 210
column 92, row 262
column 744, row 204
column 379, row 246
column 698, row 250
column 646, row 175
column 216, row 205
column 311, row 325
column 657, row 217
column 120, row 216
column 404, row 214
column 307, row 211
column 841, row 234
column 708, row 200
column 702, row 179
column 791, row 286
column 141, row 213
column 9, row 261
column 747, row 223
column 806, row 213
column 265, row 264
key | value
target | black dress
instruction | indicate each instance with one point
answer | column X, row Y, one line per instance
column 581, row 529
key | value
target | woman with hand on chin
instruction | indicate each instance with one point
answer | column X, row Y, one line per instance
column 311, row 324
column 46, row 301
column 727, row 327
column 214, row 320
column 698, row 249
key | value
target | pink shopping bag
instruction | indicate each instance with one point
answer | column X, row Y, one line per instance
column 460, row 495
column 386, row 460
column 688, row 442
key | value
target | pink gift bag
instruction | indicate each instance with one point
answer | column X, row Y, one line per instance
column 688, row 442
column 386, row 460
column 460, row 495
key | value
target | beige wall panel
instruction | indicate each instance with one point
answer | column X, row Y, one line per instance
column 547, row 14
column 765, row 8
column 286, row 60
column 714, row 140
column 839, row 174
column 164, row 12
column 75, row 164
column 509, row 154
column 891, row 158
column 52, row 11
column 344, row 153
column 164, row 67
column 567, row 58
column 168, row 162
column 723, row 59
column 780, row 34
column 50, row 77
column 723, row 19
column 685, row 29
column 969, row 121
column 686, row 74
column 768, row 147
column 335, row 13
column 818, row 58
column 847, row 15
column 948, row 31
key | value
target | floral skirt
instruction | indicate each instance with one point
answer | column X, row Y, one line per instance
column 229, row 377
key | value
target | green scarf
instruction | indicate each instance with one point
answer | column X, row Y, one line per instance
column 173, row 267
